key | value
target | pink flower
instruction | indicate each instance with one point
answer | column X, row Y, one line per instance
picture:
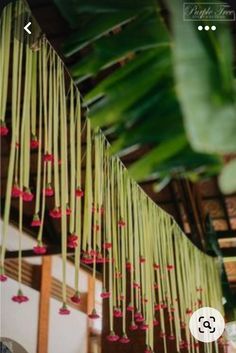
column 171, row 337
column 40, row 249
column 27, row 195
column 124, row 339
column 121, row 223
column 137, row 314
column 48, row 158
column 163, row 306
column 136, row 285
column 86, row 259
column 48, row 191
column 94, row 315
column 72, row 244
column 107, row 246
column 19, row 298
column 117, row 312
column 140, row 319
column 133, row 326
column 36, row 221
column 112, row 337
column 64, row 310
column 130, row 307
column 3, row 129
column 79, row 192
column 143, row 326
column 16, row 191
column 55, row 213
column 3, row 278
column 34, row 143
column 76, row 298
column 105, row 294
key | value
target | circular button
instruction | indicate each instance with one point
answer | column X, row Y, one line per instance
column 206, row 324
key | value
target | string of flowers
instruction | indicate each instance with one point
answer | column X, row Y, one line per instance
column 153, row 276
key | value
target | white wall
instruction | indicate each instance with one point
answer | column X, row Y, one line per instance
column 19, row 321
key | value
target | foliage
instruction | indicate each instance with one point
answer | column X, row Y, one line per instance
column 129, row 45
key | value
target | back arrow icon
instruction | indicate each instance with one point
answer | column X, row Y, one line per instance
column 26, row 28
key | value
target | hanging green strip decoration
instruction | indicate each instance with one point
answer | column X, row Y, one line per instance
column 154, row 278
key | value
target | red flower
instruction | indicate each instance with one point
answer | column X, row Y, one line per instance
column 34, row 143
column 64, row 310
column 117, row 312
column 3, row 278
column 137, row 314
column 128, row 266
column 86, row 259
column 72, row 237
column 124, row 339
column 47, row 157
column 100, row 259
column 19, row 298
column 163, row 306
column 133, row 326
column 136, row 285
column 196, row 345
column 189, row 311
column 170, row 267
column 16, row 191
column 76, row 298
column 130, row 307
column 68, row 211
column 94, row 315
column 157, row 307
column 142, row 260
column 112, row 337
column 36, row 221
column 162, row 334
column 171, row 337
column 96, row 227
column 79, row 192
column 3, row 129
column 48, row 191
column 55, row 213
column 40, row 249
column 143, row 326
column 155, row 322
column 27, row 195
column 121, row 223
column 156, row 266
column 107, row 246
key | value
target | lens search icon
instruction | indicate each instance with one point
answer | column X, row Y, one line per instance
column 206, row 324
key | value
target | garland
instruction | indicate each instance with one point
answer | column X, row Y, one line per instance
column 153, row 276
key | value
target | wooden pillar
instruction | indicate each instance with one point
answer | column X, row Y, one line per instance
column 44, row 305
column 90, row 306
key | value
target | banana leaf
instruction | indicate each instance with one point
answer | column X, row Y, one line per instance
column 203, row 63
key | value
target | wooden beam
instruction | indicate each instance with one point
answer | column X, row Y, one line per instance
column 44, row 305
